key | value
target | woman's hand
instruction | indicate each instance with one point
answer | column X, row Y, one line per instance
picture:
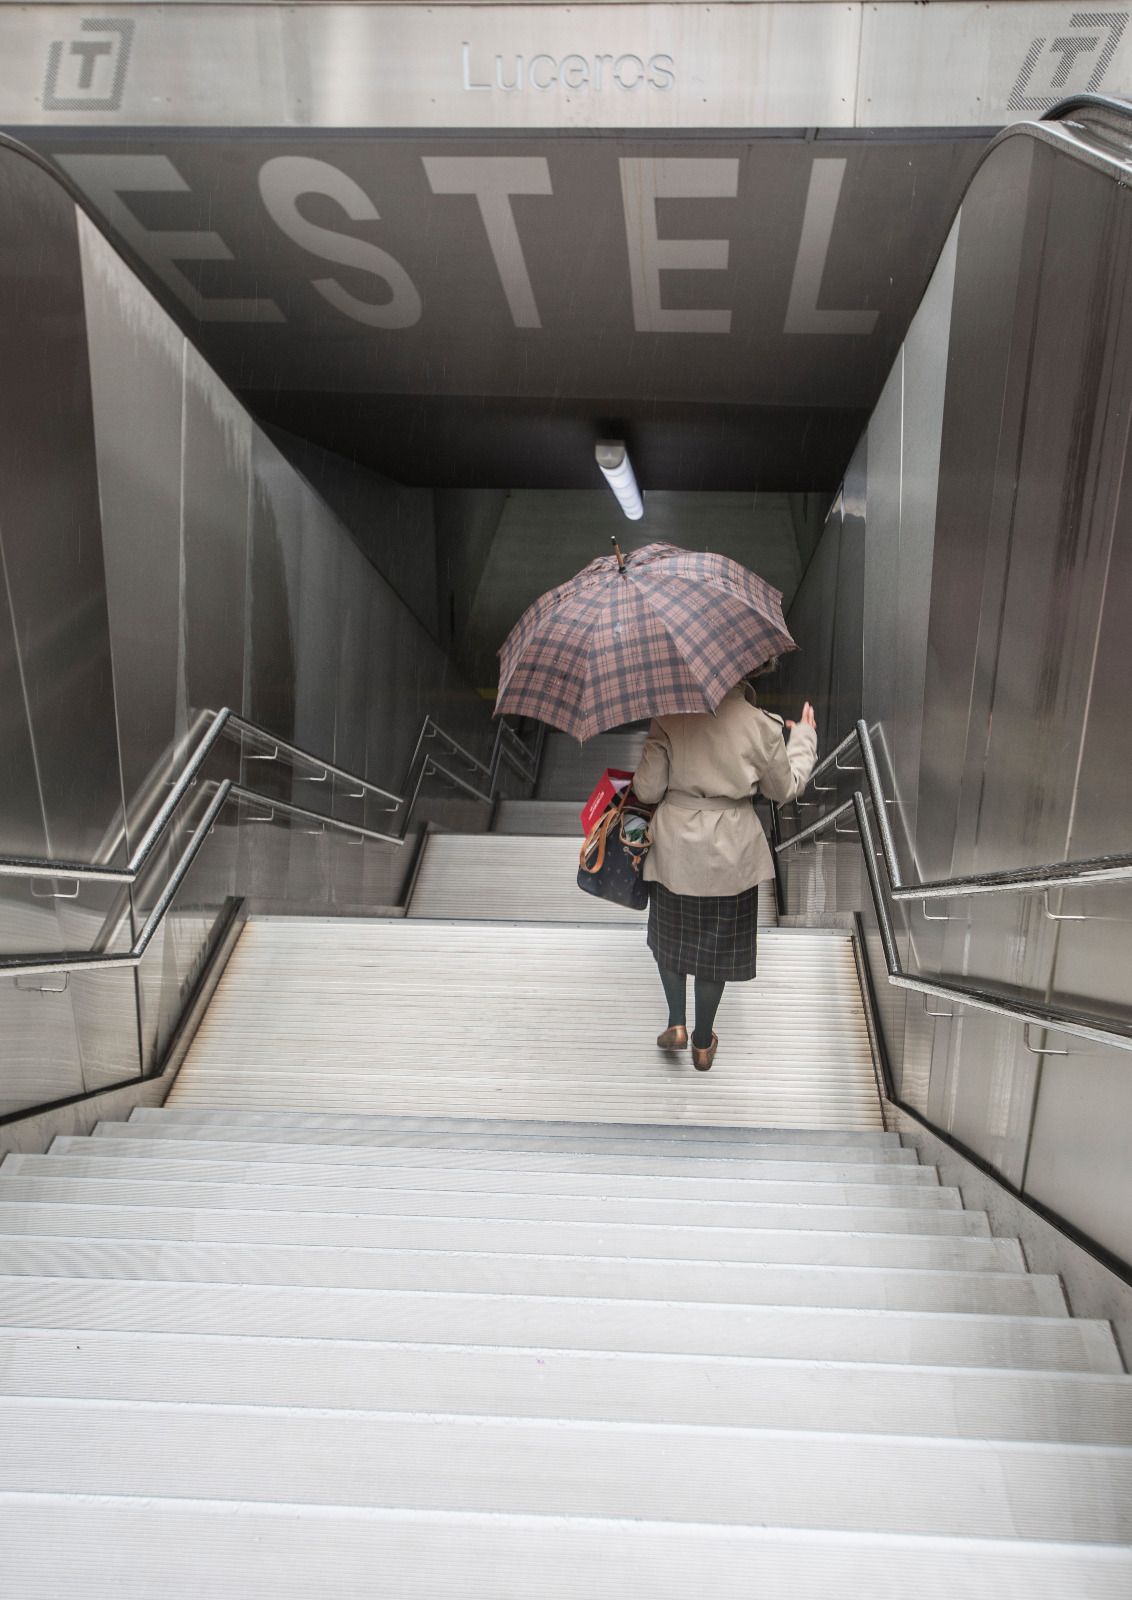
column 807, row 717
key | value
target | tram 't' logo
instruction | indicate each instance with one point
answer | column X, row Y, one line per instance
column 1054, row 67
column 88, row 73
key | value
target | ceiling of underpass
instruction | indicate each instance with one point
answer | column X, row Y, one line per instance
column 468, row 311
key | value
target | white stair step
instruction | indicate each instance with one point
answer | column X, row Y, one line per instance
column 542, row 1143
column 816, row 1334
column 798, row 1246
column 484, row 1272
column 98, row 1547
column 423, row 1199
column 541, row 817
column 861, row 1397
column 492, row 877
column 463, row 1127
column 520, row 1175
column 498, row 1159
column 536, row 1467
column 735, row 1101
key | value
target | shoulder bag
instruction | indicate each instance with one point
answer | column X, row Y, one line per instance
column 614, row 853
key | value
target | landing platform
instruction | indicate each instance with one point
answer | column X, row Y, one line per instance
column 542, row 1021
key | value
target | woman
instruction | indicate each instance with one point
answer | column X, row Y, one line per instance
column 709, row 852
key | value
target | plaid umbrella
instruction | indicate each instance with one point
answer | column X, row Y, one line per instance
column 643, row 635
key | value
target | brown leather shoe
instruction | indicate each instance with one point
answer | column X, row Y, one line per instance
column 702, row 1059
column 673, row 1038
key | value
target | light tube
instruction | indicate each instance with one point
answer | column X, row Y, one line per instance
column 617, row 469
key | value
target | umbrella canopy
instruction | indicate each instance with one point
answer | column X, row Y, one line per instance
column 654, row 632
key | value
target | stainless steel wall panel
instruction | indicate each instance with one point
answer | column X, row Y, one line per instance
column 882, row 546
column 63, row 794
column 886, row 641
column 395, row 710
column 355, row 673
column 329, row 66
column 1031, row 698
column 22, row 828
column 49, row 492
column 982, row 1086
column 1059, row 549
column 1094, row 957
column 174, row 959
column 138, row 431
column 976, row 475
column 924, row 379
column 105, row 1008
column 1101, row 803
column 997, row 593
column 913, row 1033
column 227, row 582
column 38, row 1047
column 318, row 638
column 216, row 471
column 847, row 665
column 156, row 976
column 274, row 572
column 971, row 1059
column 1079, row 1158
column 808, row 674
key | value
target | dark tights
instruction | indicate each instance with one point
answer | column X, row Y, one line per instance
column 708, row 995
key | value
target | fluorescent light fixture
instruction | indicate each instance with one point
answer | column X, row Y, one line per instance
column 617, row 469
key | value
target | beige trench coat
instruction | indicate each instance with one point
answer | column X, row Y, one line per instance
column 703, row 770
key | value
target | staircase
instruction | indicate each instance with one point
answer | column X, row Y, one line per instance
column 286, row 1354
column 434, row 1279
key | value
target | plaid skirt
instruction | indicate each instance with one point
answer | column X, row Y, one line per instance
column 708, row 936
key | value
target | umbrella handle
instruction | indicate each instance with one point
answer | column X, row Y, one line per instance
column 617, row 552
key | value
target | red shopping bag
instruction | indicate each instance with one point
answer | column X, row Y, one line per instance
column 611, row 783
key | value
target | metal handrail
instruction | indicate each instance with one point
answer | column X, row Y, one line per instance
column 1086, row 102
column 817, row 827
column 19, row 967
column 1058, row 1019
column 27, row 966
column 223, row 720
column 254, row 731
column 831, row 758
column 1089, row 870
column 525, row 764
column 34, row 966
column 227, row 720
column 240, row 793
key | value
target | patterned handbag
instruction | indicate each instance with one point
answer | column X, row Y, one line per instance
column 614, row 853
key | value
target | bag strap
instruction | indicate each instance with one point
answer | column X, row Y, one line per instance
column 596, row 841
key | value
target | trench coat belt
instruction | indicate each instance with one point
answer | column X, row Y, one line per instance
column 683, row 801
